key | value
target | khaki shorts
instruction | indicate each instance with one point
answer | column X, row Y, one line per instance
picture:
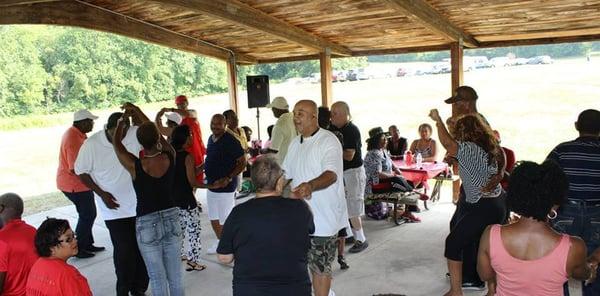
column 354, row 185
column 322, row 254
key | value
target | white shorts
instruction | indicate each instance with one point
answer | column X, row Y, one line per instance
column 219, row 205
column 354, row 186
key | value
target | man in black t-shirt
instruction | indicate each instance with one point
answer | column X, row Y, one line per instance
column 268, row 237
column 354, row 171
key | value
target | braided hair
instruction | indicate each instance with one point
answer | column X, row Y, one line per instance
column 535, row 188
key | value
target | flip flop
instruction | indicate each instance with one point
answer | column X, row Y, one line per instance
column 194, row 266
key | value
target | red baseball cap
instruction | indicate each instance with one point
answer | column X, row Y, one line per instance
column 180, row 99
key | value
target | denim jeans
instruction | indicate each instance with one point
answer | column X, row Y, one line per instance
column 159, row 239
column 581, row 218
column 86, row 210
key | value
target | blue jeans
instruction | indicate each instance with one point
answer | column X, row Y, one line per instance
column 581, row 218
column 159, row 239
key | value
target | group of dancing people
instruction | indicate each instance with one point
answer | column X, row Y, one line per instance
column 309, row 199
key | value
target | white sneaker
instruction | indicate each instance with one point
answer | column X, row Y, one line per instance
column 212, row 250
column 331, row 293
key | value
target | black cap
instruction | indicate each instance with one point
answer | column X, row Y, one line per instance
column 462, row 93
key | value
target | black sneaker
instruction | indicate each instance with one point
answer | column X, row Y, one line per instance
column 95, row 249
column 358, row 247
column 350, row 240
column 82, row 254
column 473, row 286
column 342, row 262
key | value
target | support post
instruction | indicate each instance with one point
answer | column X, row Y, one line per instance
column 456, row 61
column 326, row 78
column 232, row 80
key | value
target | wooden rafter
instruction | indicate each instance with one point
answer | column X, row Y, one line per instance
column 6, row 3
column 421, row 12
column 539, row 41
column 70, row 13
column 242, row 14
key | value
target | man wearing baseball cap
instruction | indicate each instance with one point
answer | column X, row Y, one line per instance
column 72, row 187
column 284, row 130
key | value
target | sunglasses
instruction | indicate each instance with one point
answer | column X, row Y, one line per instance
column 69, row 239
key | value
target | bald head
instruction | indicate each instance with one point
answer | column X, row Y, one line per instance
column 340, row 114
column 11, row 207
column 217, row 125
column 306, row 117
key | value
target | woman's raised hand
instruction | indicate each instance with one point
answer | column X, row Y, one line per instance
column 435, row 115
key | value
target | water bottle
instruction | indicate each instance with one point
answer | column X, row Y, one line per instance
column 419, row 161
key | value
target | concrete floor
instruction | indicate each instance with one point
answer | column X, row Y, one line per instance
column 406, row 259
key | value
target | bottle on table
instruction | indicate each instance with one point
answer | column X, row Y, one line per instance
column 419, row 160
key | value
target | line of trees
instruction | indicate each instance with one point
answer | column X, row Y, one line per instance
column 48, row 69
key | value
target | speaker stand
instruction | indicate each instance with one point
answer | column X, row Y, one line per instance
column 258, row 122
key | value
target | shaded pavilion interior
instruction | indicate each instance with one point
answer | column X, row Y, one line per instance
column 242, row 32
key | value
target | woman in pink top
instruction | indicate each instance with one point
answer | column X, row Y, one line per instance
column 528, row 257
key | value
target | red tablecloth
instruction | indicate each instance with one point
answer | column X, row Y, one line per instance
column 421, row 175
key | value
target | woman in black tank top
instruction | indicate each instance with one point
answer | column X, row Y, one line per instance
column 183, row 196
column 158, row 231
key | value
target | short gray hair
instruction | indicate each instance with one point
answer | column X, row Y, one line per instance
column 265, row 173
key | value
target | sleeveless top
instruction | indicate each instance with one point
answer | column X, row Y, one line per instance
column 540, row 277
column 153, row 194
column 183, row 193
column 427, row 152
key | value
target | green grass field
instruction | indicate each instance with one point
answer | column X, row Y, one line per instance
column 534, row 108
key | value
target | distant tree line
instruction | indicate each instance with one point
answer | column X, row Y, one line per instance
column 49, row 69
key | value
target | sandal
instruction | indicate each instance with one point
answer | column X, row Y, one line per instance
column 194, row 266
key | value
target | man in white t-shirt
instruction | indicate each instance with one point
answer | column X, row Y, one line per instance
column 283, row 130
column 99, row 169
column 314, row 163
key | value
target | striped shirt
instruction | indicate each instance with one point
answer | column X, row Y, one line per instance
column 475, row 171
column 580, row 160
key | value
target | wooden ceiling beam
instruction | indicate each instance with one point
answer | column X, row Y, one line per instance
column 6, row 3
column 540, row 41
column 236, row 12
column 421, row 12
column 70, row 13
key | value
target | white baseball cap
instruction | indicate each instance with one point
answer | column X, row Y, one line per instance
column 83, row 114
column 279, row 103
column 175, row 117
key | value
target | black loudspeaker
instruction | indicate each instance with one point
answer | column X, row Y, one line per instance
column 258, row 90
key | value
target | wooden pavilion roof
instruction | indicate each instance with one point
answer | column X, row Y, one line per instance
column 262, row 31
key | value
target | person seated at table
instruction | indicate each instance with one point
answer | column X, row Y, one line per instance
column 425, row 145
column 528, row 257
column 481, row 162
column 382, row 175
column 396, row 145
column 50, row 275
column 268, row 237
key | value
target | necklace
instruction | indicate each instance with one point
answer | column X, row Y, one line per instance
column 153, row 155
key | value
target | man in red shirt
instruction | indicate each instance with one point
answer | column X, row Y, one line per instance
column 17, row 252
column 72, row 187
column 198, row 150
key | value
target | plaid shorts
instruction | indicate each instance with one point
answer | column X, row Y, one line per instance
column 322, row 254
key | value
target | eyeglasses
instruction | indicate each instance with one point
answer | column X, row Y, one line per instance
column 69, row 239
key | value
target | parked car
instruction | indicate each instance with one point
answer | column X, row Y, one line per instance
column 521, row 61
column 361, row 74
column 341, row 76
column 401, row 72
column 502, row 62
column 351, row 75
column 540, row 60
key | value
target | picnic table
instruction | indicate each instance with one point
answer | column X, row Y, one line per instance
column 419, row 176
